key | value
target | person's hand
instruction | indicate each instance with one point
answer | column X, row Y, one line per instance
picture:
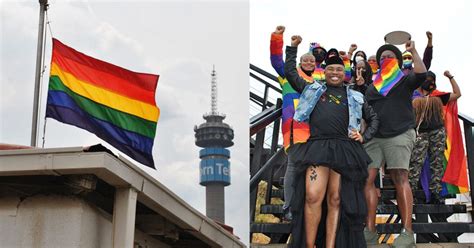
column 357, row 136
column 279, row 30
column 359, row 79
column 295, row 40
column 352, row 48
column 429, row 35
column 410, row 46
column 447, row 74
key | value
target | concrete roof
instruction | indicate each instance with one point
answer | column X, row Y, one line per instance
column 118, row 172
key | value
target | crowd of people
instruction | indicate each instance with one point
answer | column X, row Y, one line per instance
column 345, row 116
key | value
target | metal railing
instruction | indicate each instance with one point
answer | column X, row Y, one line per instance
column 264, row 160
column 259, row 125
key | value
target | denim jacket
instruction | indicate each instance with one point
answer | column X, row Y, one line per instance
column 310, row 97
column 310, row 93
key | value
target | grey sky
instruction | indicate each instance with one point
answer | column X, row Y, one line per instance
column 180, row 41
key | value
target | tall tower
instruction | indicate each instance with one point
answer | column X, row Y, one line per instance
column 214, row 136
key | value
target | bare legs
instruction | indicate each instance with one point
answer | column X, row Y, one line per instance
column 404, row 196
column 333, row 200
column 318, row 179
column 371, row 199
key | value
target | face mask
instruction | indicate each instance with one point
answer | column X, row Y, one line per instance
column 407, row 64
column 374, row 66
column 386, row 61
column 428, row 85
column 359, row 58
column 319, row 57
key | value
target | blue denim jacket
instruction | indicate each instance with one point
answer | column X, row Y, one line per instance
column 310, row 97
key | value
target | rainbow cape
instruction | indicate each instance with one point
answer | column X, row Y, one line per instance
column 347, row 69
column 318, row 74
column 111, row 102
column 455, row 162
column 388, row 75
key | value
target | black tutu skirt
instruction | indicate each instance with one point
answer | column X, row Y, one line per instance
column 345, row 156
column 349, row 159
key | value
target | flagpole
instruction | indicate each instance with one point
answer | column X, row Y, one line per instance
column 39, row 67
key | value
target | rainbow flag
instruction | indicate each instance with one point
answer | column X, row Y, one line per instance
column 388, row 75
column 347, row 69
column 111, row 102
column 455, row 162
column 455, row 174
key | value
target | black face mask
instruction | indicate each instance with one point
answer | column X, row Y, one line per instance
column 428, row 85
column 319, row 57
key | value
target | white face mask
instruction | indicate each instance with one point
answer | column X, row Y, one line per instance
column 359, row 58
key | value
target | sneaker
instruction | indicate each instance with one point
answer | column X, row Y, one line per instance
column 371, row 238
column 406, row 239
column 287, row 217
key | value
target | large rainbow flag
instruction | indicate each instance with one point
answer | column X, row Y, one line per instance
column 114, row 103
column 455, row 162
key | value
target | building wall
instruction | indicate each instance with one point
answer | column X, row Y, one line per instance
column 58, row 221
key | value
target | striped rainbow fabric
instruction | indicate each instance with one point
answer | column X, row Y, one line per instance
column 455, row 174
column 114, row 103
column 455, row 178
column 347, row 69
column 318, row 73
column 388, row 75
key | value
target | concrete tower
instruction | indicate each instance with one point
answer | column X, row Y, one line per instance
column 214, row 136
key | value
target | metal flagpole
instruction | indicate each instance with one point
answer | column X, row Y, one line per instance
column 39, row 67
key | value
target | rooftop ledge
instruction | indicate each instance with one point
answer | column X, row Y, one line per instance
column 119, row 173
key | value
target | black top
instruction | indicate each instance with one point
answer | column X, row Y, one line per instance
column 298, row 83
column 330, row 116
column 434, row 123
column 395, row 110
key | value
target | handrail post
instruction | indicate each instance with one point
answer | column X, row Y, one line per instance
column 469, row 139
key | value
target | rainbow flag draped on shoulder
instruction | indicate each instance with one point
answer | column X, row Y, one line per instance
column 455, row 179
column 455, row 174
column 114, row 103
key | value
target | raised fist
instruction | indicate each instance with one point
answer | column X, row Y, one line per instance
column 429, row 35
column 447, row 74
column 279, row 30
column 352, row 48
column 295, row 40
column 410, row 46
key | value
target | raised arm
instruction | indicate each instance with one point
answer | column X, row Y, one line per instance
column 428, row 54
column 456, row 90
column 351, row 50
column 419, row 68
column 276, row 50
column 297, row 82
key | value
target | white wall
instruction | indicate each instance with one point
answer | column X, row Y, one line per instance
column 58, row 221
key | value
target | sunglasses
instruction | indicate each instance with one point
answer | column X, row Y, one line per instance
column 405, row 58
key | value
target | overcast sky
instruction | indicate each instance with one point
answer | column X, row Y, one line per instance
column 180, row 41
column 338, row 23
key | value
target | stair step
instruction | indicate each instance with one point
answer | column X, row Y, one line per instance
column 424, row 209
column 268, row 245
column 387, row 194
column 270, row 228
column 445, row 227
column 390, row 194
column 387, row 209
column 278, row 193
column 271, row 209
